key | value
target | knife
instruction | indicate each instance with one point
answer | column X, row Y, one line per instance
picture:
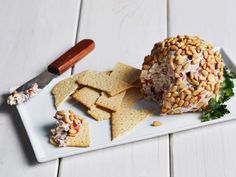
column 59, row 66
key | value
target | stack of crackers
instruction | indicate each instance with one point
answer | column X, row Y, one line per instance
column 106, row 95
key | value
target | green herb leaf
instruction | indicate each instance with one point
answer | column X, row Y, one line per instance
column 228, row 73
column 227, row 86
column 216, row 109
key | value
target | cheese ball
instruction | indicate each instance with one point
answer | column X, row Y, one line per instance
column 182, row 74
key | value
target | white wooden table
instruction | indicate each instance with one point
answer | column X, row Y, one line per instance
column 34, row 32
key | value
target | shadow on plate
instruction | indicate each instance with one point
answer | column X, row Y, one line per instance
column 149, row 105
column 19, row 129
column 47, row 129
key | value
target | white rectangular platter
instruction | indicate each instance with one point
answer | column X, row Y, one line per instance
column 37, row 117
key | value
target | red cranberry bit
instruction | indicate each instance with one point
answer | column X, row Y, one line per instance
column 171, row 79
column 188, row 74
column 190, row 57
column 215, row 66
column 153, row 90
column 195, row 109
column 159, row 95
column 198, row 97
column 31, row 91
column 76, row 127
column 164, row 71
column 148, row 81
column 181, row 75
column 165, row 86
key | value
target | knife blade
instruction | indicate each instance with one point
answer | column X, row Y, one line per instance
column 59, row 66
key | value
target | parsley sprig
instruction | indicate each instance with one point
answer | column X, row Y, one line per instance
column 216, row 107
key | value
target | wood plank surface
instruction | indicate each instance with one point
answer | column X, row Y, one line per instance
column 33, row 33
column 148, row 158
column 211, row 20
column 205, row 152
column 208, row 151
column 123, row 31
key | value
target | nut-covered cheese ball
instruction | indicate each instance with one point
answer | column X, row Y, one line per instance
column 182, row 74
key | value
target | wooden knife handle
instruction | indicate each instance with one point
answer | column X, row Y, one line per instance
column 68, row 59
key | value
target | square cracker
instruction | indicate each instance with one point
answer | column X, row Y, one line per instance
column 126, row 119
column 125, row 73
column 110, row 102
column 132, row 96
column 99, row 113
column 87, row 96
column 102, row 81
column 82, row 139
column 63, row 89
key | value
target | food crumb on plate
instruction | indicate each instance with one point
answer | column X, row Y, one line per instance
column 156, row 123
